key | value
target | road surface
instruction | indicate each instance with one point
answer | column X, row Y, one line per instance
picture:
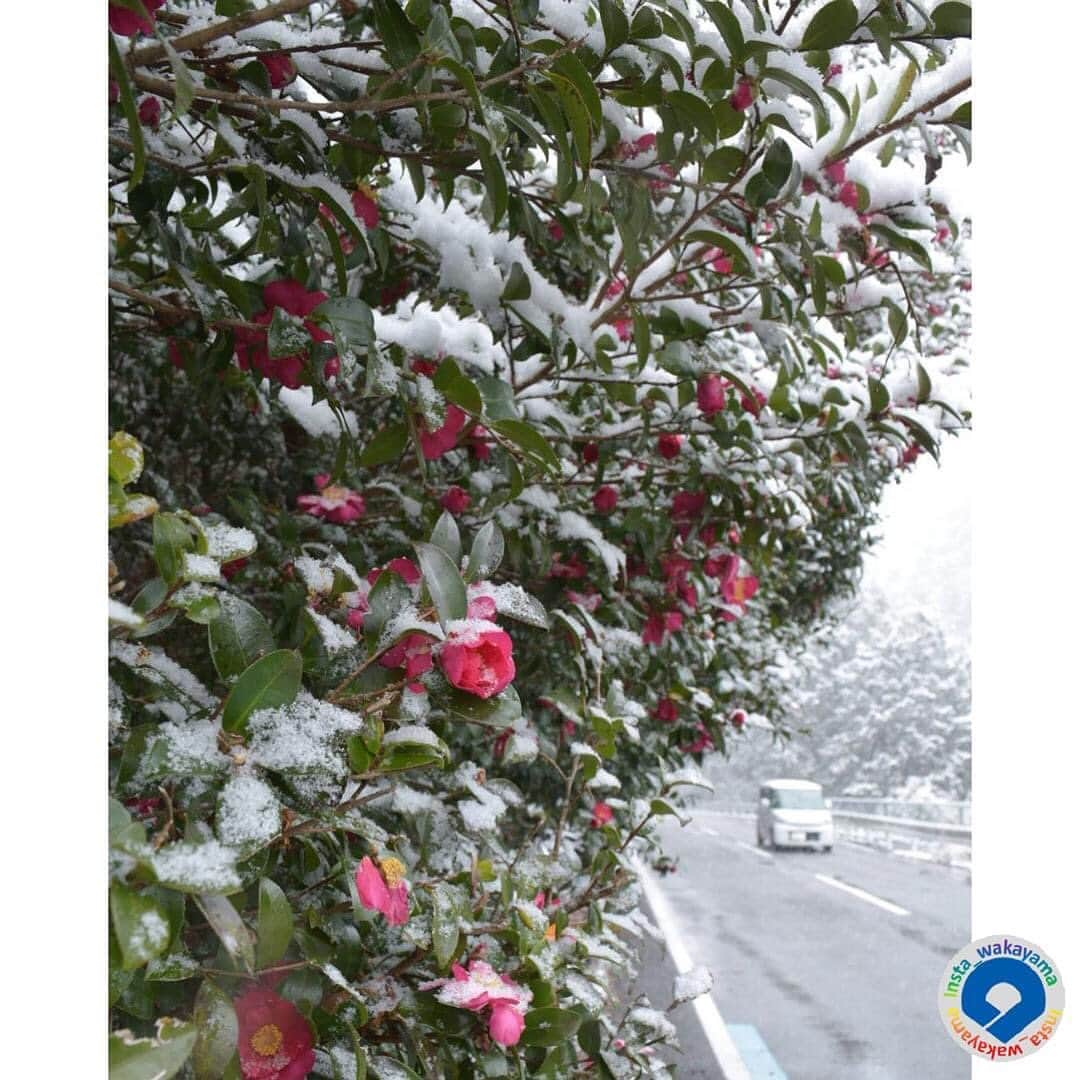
column 815, row 981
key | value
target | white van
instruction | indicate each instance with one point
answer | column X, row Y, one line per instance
column 794, row 813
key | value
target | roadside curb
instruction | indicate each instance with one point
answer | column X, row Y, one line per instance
column 716, row 1032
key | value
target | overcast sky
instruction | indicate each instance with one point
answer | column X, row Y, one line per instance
column 923, row 561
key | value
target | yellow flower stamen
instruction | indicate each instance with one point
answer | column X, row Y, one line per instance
column 266, row 1042
column 393, row 870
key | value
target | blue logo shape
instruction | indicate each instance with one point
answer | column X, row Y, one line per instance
column 1004, row 1026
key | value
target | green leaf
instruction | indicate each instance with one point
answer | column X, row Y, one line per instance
column 172, row 539
column 530, row 442
column 804, row 90
column 569, row 66
column 125, row 458
column 728, row 25
column 275, row 925
column 903, row 89
column 286, row 335
column 351, row 319
column 694, row 112
column 494, row 178
column 831, row 26
column 443, row 582
column 899, row 242
column 486, row 553
column 924, row 384
column 615, row 23
column 151, row 1059
column 498, row 398
column 217, row 1031
column 879, row 395
column 398, row 34
column 131, row 114
column 518, row 286
column 449, row 904
column 141, row 927
column 385, row 446
column 446, row 535
column 183, row 85
column 238, row 636
column 578, row 117
column 270, row 682
column 952, row 20
column 232, row 931
column 549, row 1026
column 776, row 168
column 722, row 164
column 497, row 712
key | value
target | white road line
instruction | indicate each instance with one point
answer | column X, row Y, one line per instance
column 870, row 898
column 755, row 850
column 732, row 1066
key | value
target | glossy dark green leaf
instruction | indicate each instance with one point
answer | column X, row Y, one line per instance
column 486, row 553
column 399, row 35
column 447, row 536
column 217, row 1031
column 238, row 636
column 449, row 904
column 274, row 929
column 173, row 538
column 535, row 447
column 151, row 1059
column 518, row 286
column 141, row 927
column 232, row 931
column 549, row 1026
column 443, row 582
column 131, row 114
column 723, row 164
column 385, row 446
column 952, row 20
column 879, row 395
column 832, row 25
column 268, row 683
column 615, row 23
column 350, row 318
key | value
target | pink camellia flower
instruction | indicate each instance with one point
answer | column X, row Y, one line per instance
column 707, row 534
column 663, row 185
column 737, row 719
column 365, row 207
column 150, row 112
column 436, row 443
column 481, row 987
column 809, row 185
column 590, row 452
column 128, row 23
column 479, row 447
column 641, row 145
column 910, row 454
column 481, row 605
column 477, row 657
column 653, row 631
column 614, row 289
column 849, row 195
column 280, row 67
column 836, row 172
column 688, row 504
column 876, row 257
column 423, row 367
column 590, row 601
column 624, row 329
column 743, row 97
column 755, row 404
column 834, row 70
column 721, row 566
column 711, row 397
column 251, row 348
column 606, row 499
column 555, row 230
column 383, row 888
column 413, row 653
column 601, row 814
column 405, row 569
column 720, row 260
column 274, row 1041
column 456, row 500
column 703, row 741
column 833, row 372
column 230, row 569
column 673, row 621
column 572, row 568
column 943, row 233
column 733, row 537
column 334, row 503
column 688, row 594
column 669, row 445
column 935, row 310
column 667, row 711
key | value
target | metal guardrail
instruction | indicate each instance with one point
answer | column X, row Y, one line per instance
column 941, row 813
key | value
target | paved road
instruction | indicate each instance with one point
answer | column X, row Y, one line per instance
column 837, row 986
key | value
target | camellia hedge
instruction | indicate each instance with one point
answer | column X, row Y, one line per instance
column 500, row 391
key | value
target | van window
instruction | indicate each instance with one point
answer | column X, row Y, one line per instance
column 797, row 799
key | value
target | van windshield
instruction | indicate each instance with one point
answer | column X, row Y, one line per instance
column 798, row 799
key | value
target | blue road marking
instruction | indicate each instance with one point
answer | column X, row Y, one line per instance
column 752, row 1049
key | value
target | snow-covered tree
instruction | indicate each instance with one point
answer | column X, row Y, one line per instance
column 501, row 393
